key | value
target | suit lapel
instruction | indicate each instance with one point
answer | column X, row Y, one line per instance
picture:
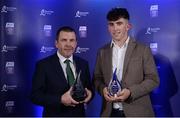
column 129, row 51
column 58, row 68
column 108, row 61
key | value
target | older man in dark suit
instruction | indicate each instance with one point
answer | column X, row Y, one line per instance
column 54, row 77
column 135, row 69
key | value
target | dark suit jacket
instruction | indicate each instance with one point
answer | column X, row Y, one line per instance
column 139, row 75
column 49, row 84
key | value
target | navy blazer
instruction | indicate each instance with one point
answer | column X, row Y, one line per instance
column 49, row 84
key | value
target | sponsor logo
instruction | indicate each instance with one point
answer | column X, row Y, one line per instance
column 81, row 50
column 10, row 28
column 9, row 67
column 6, row 9
column 154, row 47
column 45, row 49
column 81, row 14
column 5, row 87
column 46, row 12
column 9, row 106
column 154, row 11
column 151, row 30
column 47, row 30
column 83, row 31
column 4, row 48
column 8, row 48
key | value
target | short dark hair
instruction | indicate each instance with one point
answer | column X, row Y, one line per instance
column 65, row 29
column 116, row 13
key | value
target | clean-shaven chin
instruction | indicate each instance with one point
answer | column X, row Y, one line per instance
column 69, row 52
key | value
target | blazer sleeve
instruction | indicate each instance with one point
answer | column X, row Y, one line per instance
column 150, row 76
column 39, row 95
column 98, row 80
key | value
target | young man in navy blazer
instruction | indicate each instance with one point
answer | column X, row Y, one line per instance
column 50, row 87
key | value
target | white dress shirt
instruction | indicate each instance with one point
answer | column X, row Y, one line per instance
column 118, row 55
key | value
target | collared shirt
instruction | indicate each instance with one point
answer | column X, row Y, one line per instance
column 118, row 55
column 63, row 65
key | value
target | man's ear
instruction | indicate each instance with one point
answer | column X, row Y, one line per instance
column 56, row 43
column 129, row 26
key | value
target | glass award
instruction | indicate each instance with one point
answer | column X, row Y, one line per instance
column 78, row 91
column 114, row 85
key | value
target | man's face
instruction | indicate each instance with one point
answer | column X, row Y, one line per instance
column 66, row 43
column 119, row 29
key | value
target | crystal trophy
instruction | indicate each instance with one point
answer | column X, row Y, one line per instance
column 114, row 85
column 78, row 91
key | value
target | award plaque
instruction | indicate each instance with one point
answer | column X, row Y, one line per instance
column 78, row 90
column 114, row 85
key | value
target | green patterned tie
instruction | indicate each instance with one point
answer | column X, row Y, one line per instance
column 70, row 76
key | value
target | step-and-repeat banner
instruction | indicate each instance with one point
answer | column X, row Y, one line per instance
column 28, row 30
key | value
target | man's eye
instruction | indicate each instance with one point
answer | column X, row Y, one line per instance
column 110, row 24
column 72, row 40
column 119, row 23
column 63, row 40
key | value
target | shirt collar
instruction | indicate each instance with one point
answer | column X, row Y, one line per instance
column 62, row 58
column 124, row 45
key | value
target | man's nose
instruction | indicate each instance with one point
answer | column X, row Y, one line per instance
column 115, row 27
column 68, row 43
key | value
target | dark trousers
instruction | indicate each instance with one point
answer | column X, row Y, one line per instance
column 117, row 113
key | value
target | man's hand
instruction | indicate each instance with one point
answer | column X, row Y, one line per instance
column 107, row 96
column 89, row 95
column 120, row 97
column 67, row 100
column 123, row 95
